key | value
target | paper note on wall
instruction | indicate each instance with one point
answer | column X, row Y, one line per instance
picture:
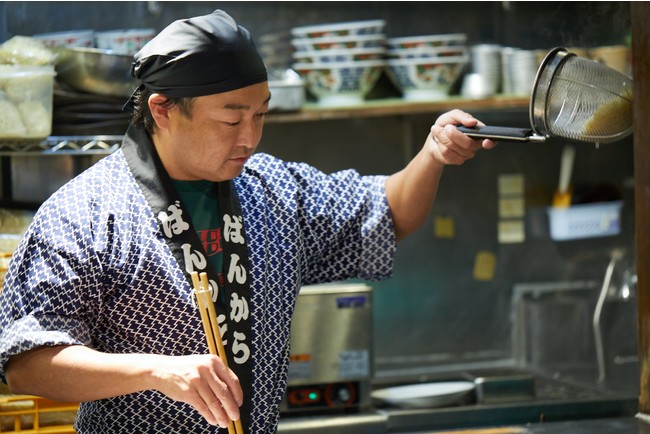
column 511, row 185
column 443, row 227
column 510, row 207
column 512, row 231
column 484, row 266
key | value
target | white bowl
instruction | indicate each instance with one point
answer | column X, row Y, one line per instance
column 71, row 38
column 339, row 55
column 426, row 52
column 340, row 83
column 338, row 42
column 446, row 40
column 425, row 79
column 351, row 28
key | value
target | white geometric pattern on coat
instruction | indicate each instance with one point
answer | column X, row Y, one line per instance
column 93, row 269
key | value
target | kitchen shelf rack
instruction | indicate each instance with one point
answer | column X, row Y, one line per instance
column 106, row 144
column 398, row 107
column 60, row 145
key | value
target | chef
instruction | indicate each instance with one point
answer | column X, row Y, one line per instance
column 97, row 304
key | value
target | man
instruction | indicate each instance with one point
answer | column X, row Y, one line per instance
column 97, row 305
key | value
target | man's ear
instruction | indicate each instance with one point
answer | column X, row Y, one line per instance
column 158, row 111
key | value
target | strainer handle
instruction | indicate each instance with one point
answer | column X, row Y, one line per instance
column 502, row 134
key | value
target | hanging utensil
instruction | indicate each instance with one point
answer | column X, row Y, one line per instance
column 562, row 197
column 573, row 98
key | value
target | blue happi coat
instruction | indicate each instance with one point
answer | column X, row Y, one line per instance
column 93, row 269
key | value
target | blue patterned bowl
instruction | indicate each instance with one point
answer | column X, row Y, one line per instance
column 446, row 40
column 350, row 28
column 339, row 55
column 340, row 83
column 426, row 52
column 338, row 42
column 423, row 79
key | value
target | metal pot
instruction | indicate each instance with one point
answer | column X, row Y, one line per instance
column 96, row 71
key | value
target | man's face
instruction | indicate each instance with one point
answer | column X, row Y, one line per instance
column 217, row 139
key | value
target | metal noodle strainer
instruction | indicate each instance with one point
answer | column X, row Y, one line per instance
column 573, row 98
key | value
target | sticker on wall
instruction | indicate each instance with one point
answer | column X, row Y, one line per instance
column 511, row 207
column 512, row 231
column 443, row 227
column 511, row 185
column 484, row 266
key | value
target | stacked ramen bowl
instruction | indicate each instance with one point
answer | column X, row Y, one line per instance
column 340, row 62
column 424, row 68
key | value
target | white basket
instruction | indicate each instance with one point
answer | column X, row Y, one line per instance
column 585, row 221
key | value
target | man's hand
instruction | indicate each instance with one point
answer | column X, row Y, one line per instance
column 77, row 373
column 447, row 145
column 203, row 382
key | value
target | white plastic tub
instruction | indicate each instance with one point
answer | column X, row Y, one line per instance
column 585, row 221
column 26, row 103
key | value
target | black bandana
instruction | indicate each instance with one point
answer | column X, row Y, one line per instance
column 199, row 56
column 177, row 229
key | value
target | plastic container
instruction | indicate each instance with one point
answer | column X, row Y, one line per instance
column 26, row 101
column 585, row 221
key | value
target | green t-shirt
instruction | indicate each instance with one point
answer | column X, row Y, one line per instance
column 200, row 200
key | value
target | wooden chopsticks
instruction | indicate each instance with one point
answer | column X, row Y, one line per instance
column 211, row 328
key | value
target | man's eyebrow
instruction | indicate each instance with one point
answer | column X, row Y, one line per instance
column 234, row 106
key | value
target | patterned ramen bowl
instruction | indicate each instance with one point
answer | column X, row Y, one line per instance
column 351, row 28
column 339, row 42
column 426, row 52
column 446, row 40
column 339, row 55
column 425, row 79
column 340, row 84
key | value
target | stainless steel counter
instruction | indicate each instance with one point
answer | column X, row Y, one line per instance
column 595, row 426
column 616, row 415
column 370, row 423
column 556, row 405
column 377, row 424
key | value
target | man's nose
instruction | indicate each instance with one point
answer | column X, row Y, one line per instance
column 249, row 135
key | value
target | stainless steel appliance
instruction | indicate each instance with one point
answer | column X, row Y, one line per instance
column 331, row 349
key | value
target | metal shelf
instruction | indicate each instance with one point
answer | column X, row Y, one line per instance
column 398, row 107
column 62, row 145
column 106, row 144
